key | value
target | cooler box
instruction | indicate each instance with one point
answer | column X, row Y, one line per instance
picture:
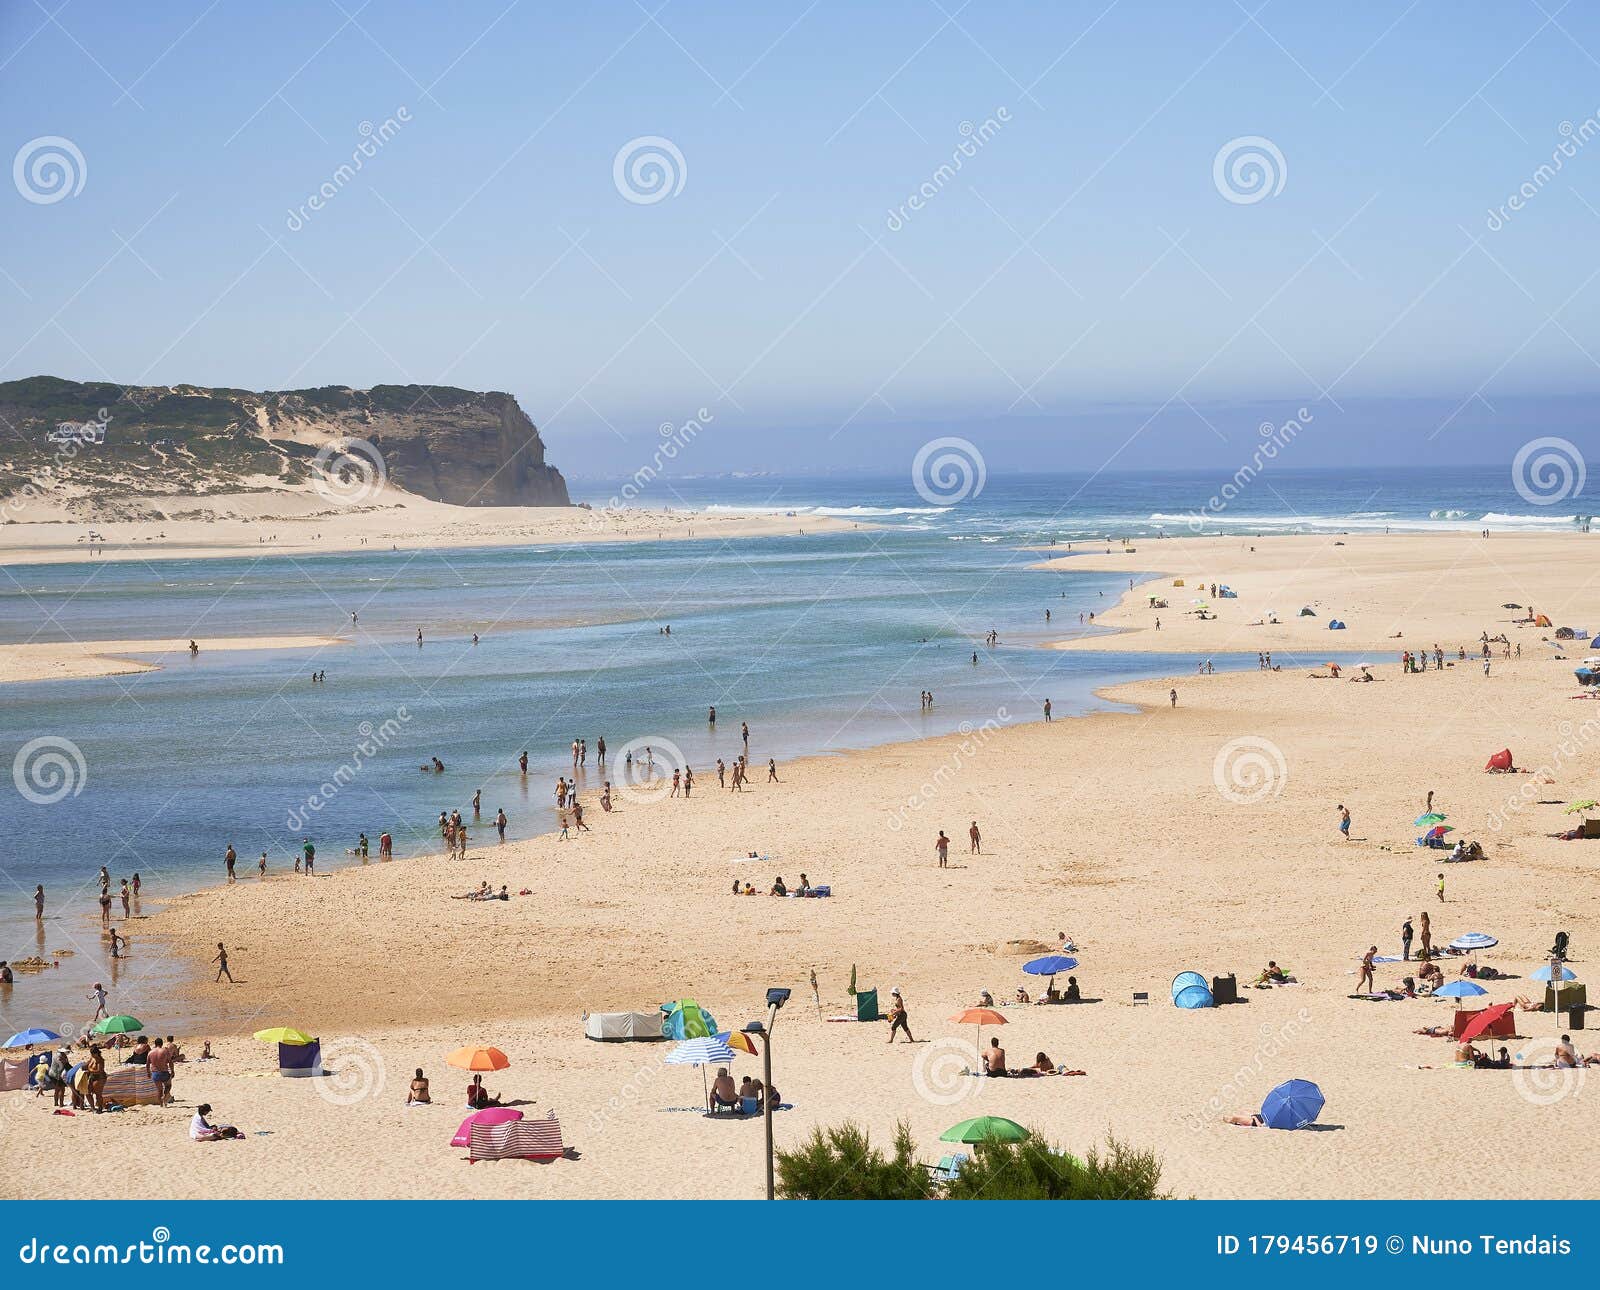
column 867, row 1006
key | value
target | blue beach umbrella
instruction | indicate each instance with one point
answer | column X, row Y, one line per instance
column 1050, row 964
column 27, row 1038
column 1292, row 1105
column 1543, row 974
column 1474, row 941
column 1459, row 990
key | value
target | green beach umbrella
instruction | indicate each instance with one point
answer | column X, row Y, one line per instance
column 1582, row 806
column 121, row 1024
column 1432, row 817
column 985, row 1128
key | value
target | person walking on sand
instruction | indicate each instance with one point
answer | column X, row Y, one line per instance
column 974, row 840
column 1344, row 821
column 772, row 770
column 230, row 858
column 1365, row 981
column 941, row 848
column 222, row 964
column 261, row 865
column 1173, row 695
column 899, row 1019
column 1427, row 808
column 1405, row 938
column 1440, row 889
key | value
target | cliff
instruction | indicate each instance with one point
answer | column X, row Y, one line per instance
column 84, row 445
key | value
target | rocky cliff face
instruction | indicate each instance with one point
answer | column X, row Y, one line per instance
column 450, row 445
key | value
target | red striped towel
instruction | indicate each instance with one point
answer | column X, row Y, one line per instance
column 518, row 1140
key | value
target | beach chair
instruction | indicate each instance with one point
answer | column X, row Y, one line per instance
column 517, row 1140
column 1141, row 996
column 947, row 1168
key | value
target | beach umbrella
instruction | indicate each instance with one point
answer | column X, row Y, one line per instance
column 474, row 1058
column 283, row 1035
column 1474, row 941
column 1429, row 818
column 489, row 1115
column 985, row 1128
column 1588, row 805
column 1292, row 1105
column 1050, row 964
column 1459, row 990
column 1484, row 1020
column 121, row 1024
column 27, row 1038
column 979, row 1017
column 740, row 1042
column 1508, row 605
column 706, row 1050
column 1543, row 974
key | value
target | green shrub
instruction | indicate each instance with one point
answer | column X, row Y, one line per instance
column 1033, row 1170
column 842, row 1164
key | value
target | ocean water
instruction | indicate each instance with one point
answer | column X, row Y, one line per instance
column 820, row 642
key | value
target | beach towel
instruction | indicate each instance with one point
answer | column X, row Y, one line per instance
column 518, row 1140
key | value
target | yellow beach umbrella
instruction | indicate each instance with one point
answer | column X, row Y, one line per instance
column 283, row 1035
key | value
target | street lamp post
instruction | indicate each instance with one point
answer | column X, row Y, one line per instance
column 777, row 996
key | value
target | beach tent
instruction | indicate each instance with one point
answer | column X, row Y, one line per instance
column 1189, row 990
column 619, row 1027
column 867, row 1006
column 1306, row 611
column 1335, row 625
column 1501, row 761
column 300, row 1060
column 686, row 1019
column 1541, row 621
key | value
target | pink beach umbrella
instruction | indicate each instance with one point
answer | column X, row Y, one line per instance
column 489, row 1115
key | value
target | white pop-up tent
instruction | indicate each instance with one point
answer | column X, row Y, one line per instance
column 621, row 1026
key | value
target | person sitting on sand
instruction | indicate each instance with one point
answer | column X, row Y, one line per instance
column 206, row 1055
column 1486, row 1063
column 1022, row 996
column 747, row 1087
column 1042, row 1065
column 479, row 1097
column 985, row 999
column 774, row 1098
column 994, row 1061
column 1430, row 975
column 1073, row 994
column 418, row 1092
column 804, row 889
column 1272, row 974
column 1245, row 1119
column 1467, row 1053
column 1566, row 1054
column 778, row 889
column 202, row 1130
column 723, row 1093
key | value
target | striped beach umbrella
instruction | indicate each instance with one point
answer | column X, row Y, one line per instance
column 706, row 1050
column 1475, row 941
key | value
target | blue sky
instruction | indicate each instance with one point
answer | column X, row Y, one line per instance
column 1081, row 271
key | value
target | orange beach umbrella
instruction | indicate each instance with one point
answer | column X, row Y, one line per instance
column 979, row 1017
column 474, row 1058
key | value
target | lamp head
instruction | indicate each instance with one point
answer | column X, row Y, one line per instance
column 777, row 996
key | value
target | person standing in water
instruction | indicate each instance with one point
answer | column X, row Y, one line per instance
column 711, row 715
column 38, row 901
column 230, row 858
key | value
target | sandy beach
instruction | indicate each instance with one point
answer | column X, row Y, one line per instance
column 1197, row 837
column 287, row 522
column 76, row 660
